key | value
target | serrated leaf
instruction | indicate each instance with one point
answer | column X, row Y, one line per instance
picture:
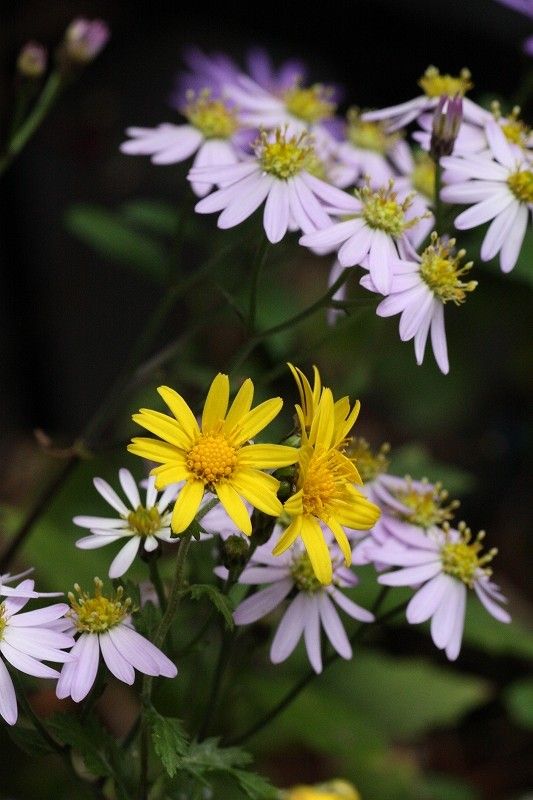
column 87, row 737
column 147, row 620
column 216, row 598
column 255, row 786
column 169, row 739
column 29, row 740
column 207, row 755
column 110, row 236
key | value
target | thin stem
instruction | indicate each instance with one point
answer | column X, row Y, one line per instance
column 228, row 638
column 50, row 91
column 259, row 263
column 300, row 685
column 155, row 577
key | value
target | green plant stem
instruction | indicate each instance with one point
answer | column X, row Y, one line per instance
column 259, row 263
column 228, row 638
column 155, row 578
column 23, row 134
column 300, row 685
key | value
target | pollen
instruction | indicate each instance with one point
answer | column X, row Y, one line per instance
column 369, row 464
column 324, row 480
column 3, row 620
column 426, row 506
column 285, row 157
column 98, row 613
column 369, row 135
column 383, row 211
column 423, row 175
column 514, row 129
column 213, row 118
column 521, row 185
column 434, row 84
column 212, row 459
column 441, row 269
column 461, row 558
column 310, row 104
column 303, row 575
column 144, row 521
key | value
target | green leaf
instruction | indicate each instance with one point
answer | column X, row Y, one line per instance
column 519, row 701
column 169, row 739
column 88, row 737
column 215, row 596
column 147, row 620
column 29, row 740
column 112, row 238
column 154, row 216
column 255, row 786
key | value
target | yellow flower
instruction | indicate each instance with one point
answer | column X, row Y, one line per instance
column 325, row 490
column 215, row 456
column 333, row 790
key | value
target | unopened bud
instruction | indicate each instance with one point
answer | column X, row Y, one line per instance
column 446, row 123
column 236, row 552
column 84, row 39
column 32, row 60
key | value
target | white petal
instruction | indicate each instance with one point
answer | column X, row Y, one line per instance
column 356, row 247
column 312, row 632
column 95, row 541
column 25, row 663
column 493, row 608
column 443, row 620
column 498, row 231
column 129, row 485
column 88, row 656
column 485, row 210
column 333, row 627
column 150, row 544
column 246, row 202
column 424, row 603
column 151, row 492
column 512, row 244
column 276, row 215
column 115, row 662
column 289, row 630
column 411, row 575
column 125, row 557
column 454, row 643
column 8, row 698
column 99, row 522
column 499, row 144
column 332, row 236
column 109, row 494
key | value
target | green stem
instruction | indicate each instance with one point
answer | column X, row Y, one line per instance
column 50, row 91
column 155, row 577
column 259, row 263
column 228, row 638
column 300, row 685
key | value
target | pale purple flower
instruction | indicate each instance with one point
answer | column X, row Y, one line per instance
column 105, row 627
column 85, row 38
column 26, row 640
column 444, row 563
column 273, row 79
column 312, row 608
column 24, row 589
column 142, row 525
column 277, row 174
column 211, row 71
column 501, row 189
column 447, row 119
column 523, row 7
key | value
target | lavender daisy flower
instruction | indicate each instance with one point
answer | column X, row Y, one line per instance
column 26, row 640
column 280, row 174
column 419, row 291
column 274, row 80
column 212, row 71
column 501, row 189
column 312, row 606
column 142, row 525
column 446, row 562
column 104, row 624
column 24, row 589
column 434, row 85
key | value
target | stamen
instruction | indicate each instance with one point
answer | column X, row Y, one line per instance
column 426, row 505
column 303, row 575
column 434, row 84
column 521, row 185
column 144, row 521
column 368, row 463
column 284, row 157
column 515, row 129
column 99, row 613
column 442, row 271
column 369, row 135
column 311, row 104
column 212, row 117
column 383, row 211
column 212, row 458
column 460, row 558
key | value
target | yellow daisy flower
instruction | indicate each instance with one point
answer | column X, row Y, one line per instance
column 216, row 455
column 325, row 490
column 333, row 790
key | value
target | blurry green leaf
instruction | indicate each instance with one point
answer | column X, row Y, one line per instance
column 112, row 238
column 215, row 596
column 147, row 619
column 28, row 740
column 485, row 632
column 442, row 787
column 207, row 755
column 255, row 786
column 416, row 460
column 86, row 737
column 169, row 738
column 519, row 701
column 155, row 216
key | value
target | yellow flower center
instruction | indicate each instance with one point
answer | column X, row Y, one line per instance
column 426, row 506
column 3, row 620
column 285, row 157
column 369, row 135
column 303, row 575
column 461, row 559
column 369, row 464
column 434, row 84
column 382, row 210
column 212, row 458
column 144, row 521
column 323, row 481
column 423, row 175
column 521, row 185
column 514, row 129
column 98, row 613
column 310, row 104
column 442, row 271
column 213, row 118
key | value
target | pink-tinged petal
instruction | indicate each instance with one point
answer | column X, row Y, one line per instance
column 141, row 653
column 438, row 337
column 396, row 303
column 474, row 113
column 183, row 147
column 93, row 542
column 222, row 198
column 263, row 574
column 453, row 647
column 410, row 535
column 87, row 652
column 498, row 231
column 414, row 314
column 298, row 212
column 289, row 630
column 470, row 191
column 331, row 237
column 130, row 487
column 499, row 144
column 421, row 338
column 110, row 496
column 356, row 247
column 493, row 608
column 99, row 522
column 25, row 663
column 42, row 643
column 125, row 557
column 313, row 209
column 276, row 215
column 414, row 107
column 246, row 203
column 475, row 166
column 8, row 698
column 396, row 555
column 312, row 632
column 38, row 616
column 512, row 244
column 68, row 671
column 262, row 603
column 115, row 662
column 424, row 603
column 379, row 261
column 343, row 202
column 333, row 626
column 225, row 174
column 411, row 575
column 352, row 609
column 443, row 620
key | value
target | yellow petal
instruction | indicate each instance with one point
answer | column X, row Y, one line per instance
column 345, row 428
column 187, row 506
column 234, row 507
column 322, row 429
column 164, row 426
column 288, row 537
column 181, row 411
column 294, row 505
column 241, row 405
column 342, row 540
column 170, row 473
column 216, row 403
column 360, row 513
column 267, row 456
column 259, row 489
column 317, row 550
column 257, row 419
column 154, row 450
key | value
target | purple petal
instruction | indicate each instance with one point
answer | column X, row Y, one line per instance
column 352, row 609
column 258, row 605
column 8, row 698
column 289, row 630
column 26, row 663
column 494, row 610
column 87, row 652
column 276, row 215
column 444, row 618
column 411, row 575
column 454, row 644
column 115, row 662
column 438, row 337
column 424, row 603
column 141, row 653
column 246, row 203
column 39, row 616
column 498, row 231
column 333, row 627
column 312, row 632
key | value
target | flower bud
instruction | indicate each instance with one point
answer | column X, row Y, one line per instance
column 32, row 60
column 236, row 552
column 446, row 123
column 84, row 39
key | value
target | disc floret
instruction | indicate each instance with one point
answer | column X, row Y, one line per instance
column 521, row 185
column 461, row 555
column 441, row 269
column 383, row 211
column 435, row 85
column 212, row 459
column 284, row 156
column 369, row 464
column 213, row 118
column 369, row 135
column 98, row 613
column 515, row 129
column 426, row 506
column 303, row 575
column 310, row 104
column 145, row 521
